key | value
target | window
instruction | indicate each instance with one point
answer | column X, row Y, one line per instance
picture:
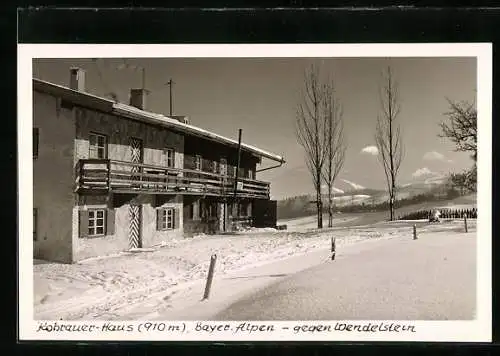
column 250, row 174
column 191, row 211
column 36, row 133
column 170, row 157
column 97, row 146
column 195, row 210
column 35, row 221
column 223, row 166
column 165, row 219
column 96, row 222
column 197, row 162
column 243, row 209
column 211, row 211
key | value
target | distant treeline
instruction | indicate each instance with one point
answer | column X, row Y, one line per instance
column 445, row 214
column 301, row 205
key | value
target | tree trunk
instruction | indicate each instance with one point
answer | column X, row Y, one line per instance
column 391, row 208
column 319, row 209
column 330, row 208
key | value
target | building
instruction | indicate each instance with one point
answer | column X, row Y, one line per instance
column 109, row 177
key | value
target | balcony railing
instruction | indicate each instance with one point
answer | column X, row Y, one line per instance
column 101, row 175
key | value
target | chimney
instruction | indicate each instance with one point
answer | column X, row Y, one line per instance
column 77, row 79
column 138, row 98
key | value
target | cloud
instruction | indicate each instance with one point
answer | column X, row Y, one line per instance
column 354, row 185
column 435, row 156
column 372, row 150
column 422, row 172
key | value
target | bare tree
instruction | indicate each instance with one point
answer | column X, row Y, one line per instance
column 334, row 145
column 462, row 127
column 388, row 135
column 311, row 133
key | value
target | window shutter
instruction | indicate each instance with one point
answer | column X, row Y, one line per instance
column 36, row 133
column 110, row 222
column 35, row 219
column 83, row 221
column 176, row 218
column 158, row 219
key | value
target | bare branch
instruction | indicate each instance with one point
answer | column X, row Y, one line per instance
column 461, row 128
column 388, row 136
column 319, row 130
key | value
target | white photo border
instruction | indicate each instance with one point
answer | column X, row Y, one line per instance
column 478, row 330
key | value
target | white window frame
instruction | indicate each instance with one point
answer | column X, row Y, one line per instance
column 223, row 167
column 94, row 218
column 167, row 218
column 170, row 157
column 198, row 162
column 94, row 148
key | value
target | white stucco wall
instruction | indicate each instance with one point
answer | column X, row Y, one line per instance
column 118, row 131
column 119, row 241
column 53, row 178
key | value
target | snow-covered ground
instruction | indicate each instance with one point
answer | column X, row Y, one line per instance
column 310, row 222
column 109, row 287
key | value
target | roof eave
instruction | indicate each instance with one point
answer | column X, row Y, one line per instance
column 106, row 105
column 74, row 96
column 134, row 113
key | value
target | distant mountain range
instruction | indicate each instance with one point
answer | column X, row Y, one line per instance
column 301, row 205
column 375, row 196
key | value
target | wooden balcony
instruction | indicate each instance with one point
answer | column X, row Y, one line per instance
column 98, row 176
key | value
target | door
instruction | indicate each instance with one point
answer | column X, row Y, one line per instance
column 136, row 149
column 135, row 215
column 264, row 213
column 222, row 217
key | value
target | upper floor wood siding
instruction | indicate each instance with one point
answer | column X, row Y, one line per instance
column 212, row 153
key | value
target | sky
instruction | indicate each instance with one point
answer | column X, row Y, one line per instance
column 260, row 96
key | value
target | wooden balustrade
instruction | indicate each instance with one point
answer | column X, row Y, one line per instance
column 97, row 175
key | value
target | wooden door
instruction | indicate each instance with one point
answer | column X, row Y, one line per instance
column 264, row 213
column 222, row 215
column 135, row 215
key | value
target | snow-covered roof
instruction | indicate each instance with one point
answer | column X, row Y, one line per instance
column 132, row 112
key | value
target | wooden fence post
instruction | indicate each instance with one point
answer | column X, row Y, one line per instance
column 415, row 232
column 334, row 247
column 465, row 223
column 210, row 276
